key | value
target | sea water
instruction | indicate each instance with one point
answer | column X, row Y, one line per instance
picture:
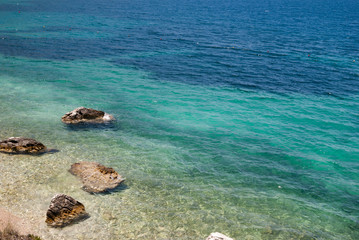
column 233, row 116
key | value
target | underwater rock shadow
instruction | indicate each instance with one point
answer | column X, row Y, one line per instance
column 92, row 126
column 47, row 151
column 119, row 188
column 52, row 151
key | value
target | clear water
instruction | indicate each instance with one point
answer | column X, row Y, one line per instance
column 237, row 116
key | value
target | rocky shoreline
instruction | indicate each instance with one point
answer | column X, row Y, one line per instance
column 14, row 228
column 96, row 178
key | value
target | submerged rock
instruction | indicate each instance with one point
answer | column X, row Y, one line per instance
column 21, row 145
column 64, row 210
column 86, row 115
column 95, row 177
column 218, row 236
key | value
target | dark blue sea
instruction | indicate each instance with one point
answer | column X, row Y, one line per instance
column 239, row 117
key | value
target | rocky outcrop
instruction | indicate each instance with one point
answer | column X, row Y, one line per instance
column 64, row 210
column 95, row 177
column 86, row 115
column 10, row 234
column 21, row 145
column 8, row 221
column 218, row 236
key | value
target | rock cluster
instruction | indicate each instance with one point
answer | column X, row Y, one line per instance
column 86, row 115
column 21, row 145
column 64, row 210
column 95, row 177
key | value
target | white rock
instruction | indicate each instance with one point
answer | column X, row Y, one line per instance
column 218, row 236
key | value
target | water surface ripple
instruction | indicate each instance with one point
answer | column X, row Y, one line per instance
column 235, row 116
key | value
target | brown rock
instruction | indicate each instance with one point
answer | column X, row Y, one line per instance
column 64, row 210
column 21, row 145
column 95, row 177
column 218, row 236
column 86, row 115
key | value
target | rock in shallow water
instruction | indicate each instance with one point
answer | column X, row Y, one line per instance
column 218, row 236
column 64, row 210
column 21, row 145
column 96, row 177
column 86, row 115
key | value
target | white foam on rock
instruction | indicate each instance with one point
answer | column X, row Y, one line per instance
column 108, row 117
column 218, row 236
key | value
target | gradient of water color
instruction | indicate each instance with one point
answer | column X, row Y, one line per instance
column 237, row 116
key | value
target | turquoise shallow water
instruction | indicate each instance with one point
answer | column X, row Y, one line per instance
column 253, row 144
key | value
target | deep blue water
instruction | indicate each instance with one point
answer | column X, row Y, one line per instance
column 243, row 44
column 244, row 113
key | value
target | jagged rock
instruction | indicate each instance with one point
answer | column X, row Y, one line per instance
column 86, row 115
column 21, row 145
column 95, row 177
column 218, row 236
column 64, row 210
